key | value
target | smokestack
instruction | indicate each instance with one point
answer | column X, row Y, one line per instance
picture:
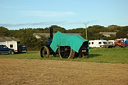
column 51, row 33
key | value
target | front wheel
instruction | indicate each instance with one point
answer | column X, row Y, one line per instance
column 11, row 52
column 44, row 52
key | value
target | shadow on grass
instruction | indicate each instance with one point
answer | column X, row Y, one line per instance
column 27, row 53
column 31, row 52
column 94, row 55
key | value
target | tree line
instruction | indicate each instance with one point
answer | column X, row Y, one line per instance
column 25, row 35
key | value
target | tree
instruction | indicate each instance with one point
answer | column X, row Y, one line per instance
column 26, row 34
column 121, row 34
column 4, row 31
column 58, row 28
column 114, row 28
column 77, row 30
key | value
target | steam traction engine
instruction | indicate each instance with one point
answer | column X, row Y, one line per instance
column 66, row 45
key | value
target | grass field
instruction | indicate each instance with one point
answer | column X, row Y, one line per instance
column 30, row 69
column 101, row 55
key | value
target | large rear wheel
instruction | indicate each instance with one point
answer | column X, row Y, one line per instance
column 44, row 52
column 66, row 52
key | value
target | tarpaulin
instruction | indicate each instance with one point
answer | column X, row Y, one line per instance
column 61, row 39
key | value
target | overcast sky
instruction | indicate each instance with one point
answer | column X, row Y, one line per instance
column 16, row 14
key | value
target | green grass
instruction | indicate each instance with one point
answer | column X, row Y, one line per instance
column 101, row 55
column 109, row 55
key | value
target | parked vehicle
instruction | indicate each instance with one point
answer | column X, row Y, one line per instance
column 111, row 43
column 121, row 43
column 100, row 44
column 22, row 49
column 11, row 45
column 126, row 42
column 5, row 50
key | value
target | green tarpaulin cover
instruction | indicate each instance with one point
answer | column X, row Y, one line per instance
column 61, row 39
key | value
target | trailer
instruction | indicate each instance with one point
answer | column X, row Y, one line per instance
column 99, row 43
column 66, row 45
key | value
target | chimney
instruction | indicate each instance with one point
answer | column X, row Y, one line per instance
column 51, row 33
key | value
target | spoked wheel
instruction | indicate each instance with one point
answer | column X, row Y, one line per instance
column 66, row 52
column 44, row 52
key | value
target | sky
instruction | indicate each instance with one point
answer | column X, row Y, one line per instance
column 70, row 14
